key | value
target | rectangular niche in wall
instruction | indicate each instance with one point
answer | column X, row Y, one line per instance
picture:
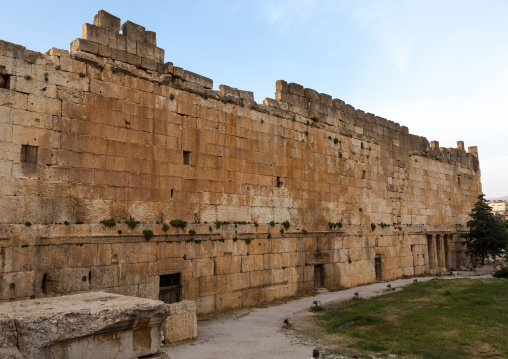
column 28, row 158
column 186, row 158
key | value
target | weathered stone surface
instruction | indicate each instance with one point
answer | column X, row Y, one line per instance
column 227, row 90
column 8, row 339
column 181, row 323
column 485, row 270
column 85, row 57
column 85, row 46
column 197, row 79
column 108, row 21
column 133, row 31
column 88, row 325
column 57, row 52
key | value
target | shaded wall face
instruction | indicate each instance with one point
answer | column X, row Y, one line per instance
column 92, row 136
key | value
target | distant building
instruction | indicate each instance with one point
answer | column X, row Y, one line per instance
column 499, row 206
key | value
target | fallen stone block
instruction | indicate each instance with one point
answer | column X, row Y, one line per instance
column 485, row 270
column 86, row 325
column 8, row 339
column 181, row 323
column 467, row 273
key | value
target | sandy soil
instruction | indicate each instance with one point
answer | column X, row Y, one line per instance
column 260, row 332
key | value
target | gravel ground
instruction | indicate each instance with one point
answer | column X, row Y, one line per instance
column 259, row 333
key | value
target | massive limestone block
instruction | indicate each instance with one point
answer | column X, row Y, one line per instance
column 181, row 323
column 88, row 325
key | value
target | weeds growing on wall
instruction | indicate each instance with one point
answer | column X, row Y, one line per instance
column 132, row 223
column 334, row 225
column 165, row 227
column 178, row 223
column 109, row 222
column 286, row 225
column 148, row 233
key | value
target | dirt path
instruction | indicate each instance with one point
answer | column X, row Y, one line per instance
column 258, row 333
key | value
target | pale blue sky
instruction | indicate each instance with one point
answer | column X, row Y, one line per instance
column 439, row 67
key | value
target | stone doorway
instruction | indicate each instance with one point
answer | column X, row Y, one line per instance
column 378, row 268
column 318, row 276
column 170, row 288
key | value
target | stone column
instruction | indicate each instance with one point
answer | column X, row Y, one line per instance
column 443, row 251
column 434, row 247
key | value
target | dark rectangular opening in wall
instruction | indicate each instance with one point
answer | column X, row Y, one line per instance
column 186, row 157
column 170, row 288
column 378, row 269
column 363, row 175
column 458, row 180
column 29, row 153
column 5, row 80
column 318, row 276
column 172, row 192
column 279, row 182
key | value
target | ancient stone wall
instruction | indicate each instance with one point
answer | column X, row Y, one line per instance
column 110, row 131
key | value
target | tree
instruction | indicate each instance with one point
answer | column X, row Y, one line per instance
column 487, row 233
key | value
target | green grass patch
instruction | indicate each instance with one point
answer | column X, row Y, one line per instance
column 447, row 318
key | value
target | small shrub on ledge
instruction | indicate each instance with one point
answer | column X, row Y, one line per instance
column 148, row 234
column 178, row 223
column 109, row 222
column 132, row 223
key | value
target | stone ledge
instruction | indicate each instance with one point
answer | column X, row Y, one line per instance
column 86, row 325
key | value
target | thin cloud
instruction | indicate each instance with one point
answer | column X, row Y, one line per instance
column 284, row 14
